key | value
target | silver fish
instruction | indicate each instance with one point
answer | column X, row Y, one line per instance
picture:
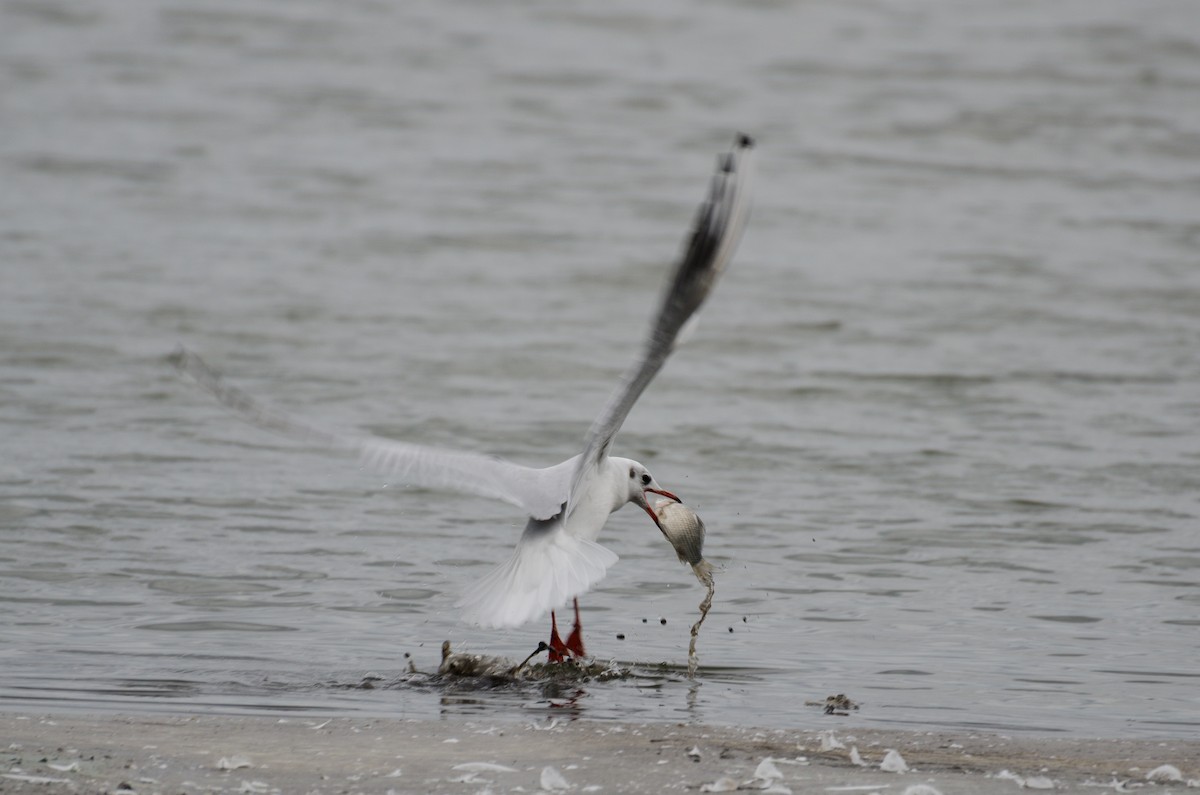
column 685, row 530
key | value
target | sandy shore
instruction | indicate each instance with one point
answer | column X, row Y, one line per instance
column 153, row 753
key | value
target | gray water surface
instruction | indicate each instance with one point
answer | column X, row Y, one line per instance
column 941, row 417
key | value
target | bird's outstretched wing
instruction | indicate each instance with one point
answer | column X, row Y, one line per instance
column 539, row 492
column 718, row 228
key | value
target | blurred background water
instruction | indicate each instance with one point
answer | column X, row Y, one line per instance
column 941, row 416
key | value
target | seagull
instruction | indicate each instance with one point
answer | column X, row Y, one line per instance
column 557, row 558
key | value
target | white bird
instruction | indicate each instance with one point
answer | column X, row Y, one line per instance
column 557, row 557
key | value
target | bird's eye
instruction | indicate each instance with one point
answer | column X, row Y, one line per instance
column 646, row 480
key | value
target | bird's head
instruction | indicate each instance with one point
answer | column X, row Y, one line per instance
column 642, row 482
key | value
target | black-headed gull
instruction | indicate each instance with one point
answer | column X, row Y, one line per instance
column 557, row 557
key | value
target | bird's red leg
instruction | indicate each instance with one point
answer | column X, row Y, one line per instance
column 558, row 650
column 575, row 640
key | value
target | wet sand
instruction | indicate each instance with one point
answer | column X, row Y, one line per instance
column 153, row 753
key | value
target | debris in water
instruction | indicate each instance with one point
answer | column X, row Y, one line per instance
column 1165, row 773
column 834, row 705
column 460, row 664
column 35, row 779
column 893, row 762
column 767, row 770
column 723, row 784
column 1033, row 782
column 921, row 789
column 232, row 762
column 553, row 781
column 483, row 767
column 829, row 742
column 855, row 757
column 685, row 530
column 484, row 671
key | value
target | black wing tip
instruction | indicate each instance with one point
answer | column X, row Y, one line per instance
column 726, row 162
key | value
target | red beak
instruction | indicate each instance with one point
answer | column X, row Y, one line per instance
column 665, row 493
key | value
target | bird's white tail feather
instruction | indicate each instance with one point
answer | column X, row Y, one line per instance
column 544, row 572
